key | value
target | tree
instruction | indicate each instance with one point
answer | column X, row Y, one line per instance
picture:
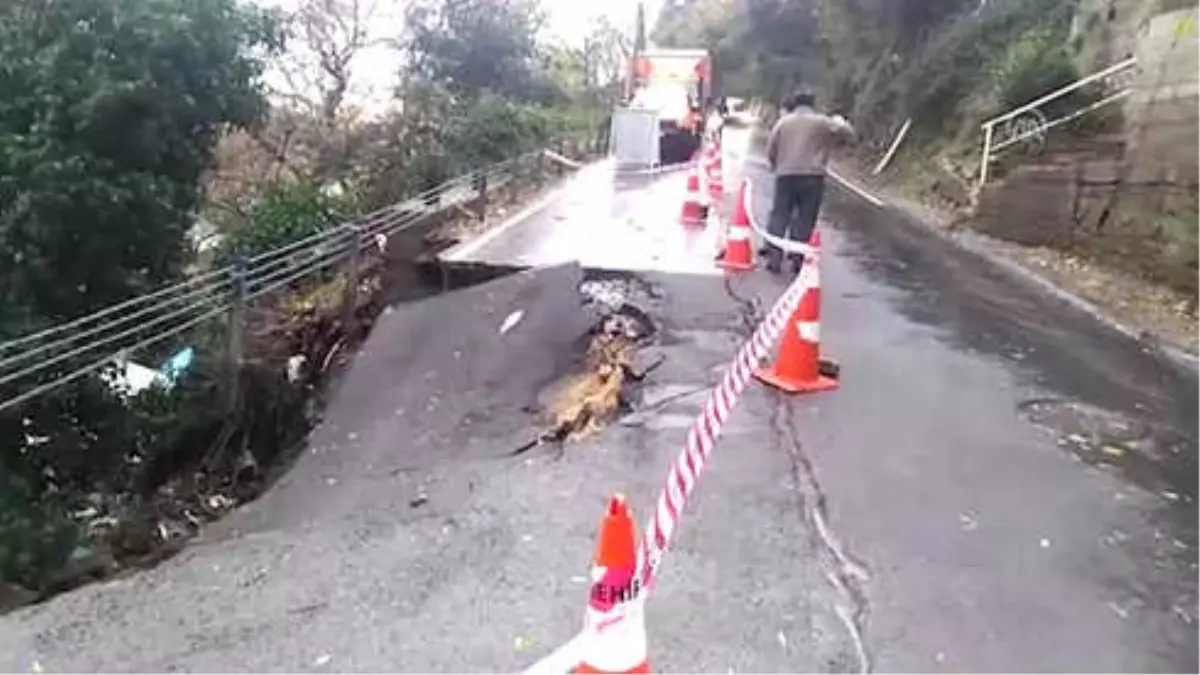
column 310, row 129
column 470, row 47
column 325, row 37
column 109, row 113
column 606, row 50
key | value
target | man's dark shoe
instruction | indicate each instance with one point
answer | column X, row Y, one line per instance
column 774, row 267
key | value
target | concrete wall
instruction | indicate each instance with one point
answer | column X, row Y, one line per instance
column 1108, row 30
column 1162, row 115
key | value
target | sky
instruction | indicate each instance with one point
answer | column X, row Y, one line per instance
column 374, row 69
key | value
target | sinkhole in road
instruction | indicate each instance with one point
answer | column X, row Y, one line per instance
column 610, row 363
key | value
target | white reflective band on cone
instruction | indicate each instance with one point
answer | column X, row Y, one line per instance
column 809, row 276
column 620, row 646
column 810, row 331
column 739, row 233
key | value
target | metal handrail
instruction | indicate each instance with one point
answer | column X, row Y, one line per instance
column 1062, row 91
column 989, row 127
column 1058, row 121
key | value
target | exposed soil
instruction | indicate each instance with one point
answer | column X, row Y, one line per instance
column 601, row 389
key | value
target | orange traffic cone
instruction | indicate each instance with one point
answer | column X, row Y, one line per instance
column 798, row 368
column 714, row 176
column 694, row 210
column 615, row 620
column 737, row 255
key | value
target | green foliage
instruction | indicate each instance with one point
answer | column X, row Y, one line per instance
column 880, row 61
column 35, row 533
column 286, row 213
column 76, row 446
column 479, row 88
column 109, row 112
column 1032, row 66
column 492, row 129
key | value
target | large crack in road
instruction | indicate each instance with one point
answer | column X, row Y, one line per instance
column 846, row 574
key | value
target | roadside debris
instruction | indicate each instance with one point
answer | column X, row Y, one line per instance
column 511, row 321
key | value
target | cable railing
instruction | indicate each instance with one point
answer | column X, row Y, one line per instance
column 37, row 363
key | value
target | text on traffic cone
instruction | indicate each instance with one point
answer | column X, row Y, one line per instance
column 615, row 621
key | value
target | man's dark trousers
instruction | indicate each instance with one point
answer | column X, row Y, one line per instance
column 794, row 213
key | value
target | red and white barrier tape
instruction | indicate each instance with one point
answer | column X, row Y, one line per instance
column 704, row 432
column 685, row 472
column 787, row 245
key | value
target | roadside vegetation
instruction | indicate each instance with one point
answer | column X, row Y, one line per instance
column 131, row 130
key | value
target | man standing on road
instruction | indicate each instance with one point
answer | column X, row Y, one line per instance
column 798, row 151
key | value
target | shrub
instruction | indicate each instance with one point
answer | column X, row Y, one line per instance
column 1033, row 66
column 36, row 534
column 492, row 129
column 287, row 212
column 86, row 446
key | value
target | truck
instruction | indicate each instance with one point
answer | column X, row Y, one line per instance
column 676, row 85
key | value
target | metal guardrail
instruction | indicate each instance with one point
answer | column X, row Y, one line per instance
column 49, row 358
column 1018, row 133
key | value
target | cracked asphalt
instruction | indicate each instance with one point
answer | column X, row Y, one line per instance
column 1000, row 483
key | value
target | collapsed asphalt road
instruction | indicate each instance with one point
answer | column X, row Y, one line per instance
column 999, row 484
column 407, row 538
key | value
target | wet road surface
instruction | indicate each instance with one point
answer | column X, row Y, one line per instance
column 603, row 219
column 1000, row 483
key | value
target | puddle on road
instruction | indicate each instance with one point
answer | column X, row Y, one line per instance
column 1143, row 454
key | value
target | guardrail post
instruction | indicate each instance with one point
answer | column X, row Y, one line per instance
column 559, row 169
column 481, row 194
column 987, row 155
column 350, row 291
column 236, row 347
column 539, row 170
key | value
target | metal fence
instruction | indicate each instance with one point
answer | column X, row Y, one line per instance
column 39, row 362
